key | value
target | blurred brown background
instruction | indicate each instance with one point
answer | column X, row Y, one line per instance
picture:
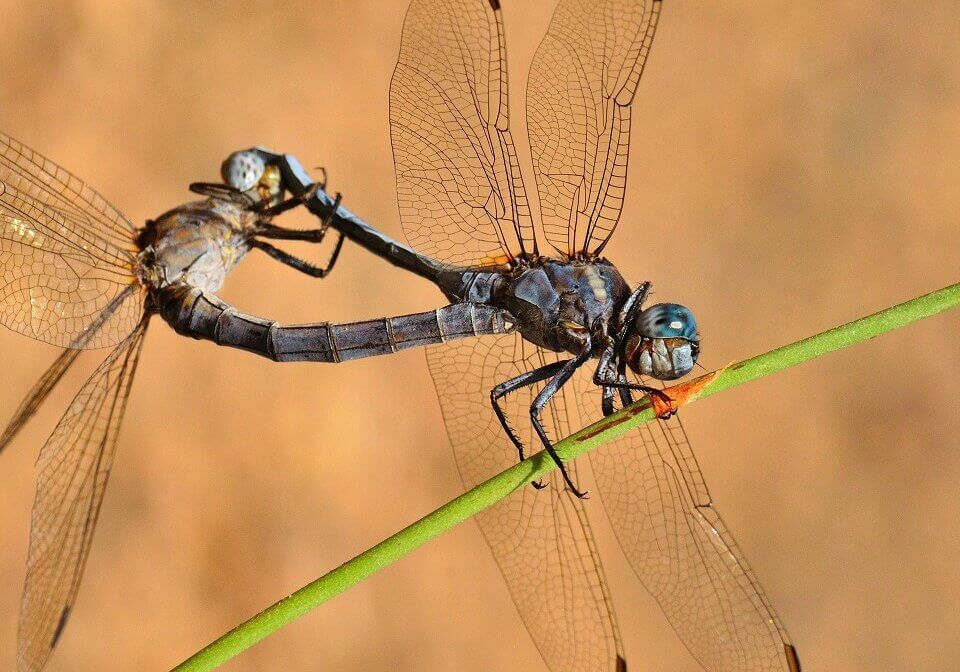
column 795, row 166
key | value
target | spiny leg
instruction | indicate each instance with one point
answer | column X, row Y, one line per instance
column 264, row 209
column 626, row 398
column 604, row 369
column 540, row 402
column 512, row 385
column 608, row 396
column 606, row 402
column 223, row 192
column 608, row 376
column 296, row 262
column 267, row 230
column 632, row 306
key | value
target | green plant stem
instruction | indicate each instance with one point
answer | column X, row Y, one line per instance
column 484, row 495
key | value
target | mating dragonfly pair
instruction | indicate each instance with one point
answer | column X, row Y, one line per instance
column 510, row 354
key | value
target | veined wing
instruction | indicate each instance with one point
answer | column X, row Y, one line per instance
column 74, row 467
column 680, row 548
column 582, row 82
column 38, row 394
column 461, row 195
column 65, row 253
column 541, row 539
column 45, row 384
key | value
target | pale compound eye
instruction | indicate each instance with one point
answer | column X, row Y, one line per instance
column 243, row 170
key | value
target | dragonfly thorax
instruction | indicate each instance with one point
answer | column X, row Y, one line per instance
column 196, row 244
column 555, row 302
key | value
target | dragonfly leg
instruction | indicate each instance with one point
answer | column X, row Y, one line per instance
column 267, row 230
column 512, row 385
column 626, row 398
column 221, row 191
column 630, row 309
column 296, row 262
column 606, row 402
column 608, row 395
column 607, row 376
column 266, row 210
column 540, row 402
column 275, row 232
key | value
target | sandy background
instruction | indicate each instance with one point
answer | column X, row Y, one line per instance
column 795, row 166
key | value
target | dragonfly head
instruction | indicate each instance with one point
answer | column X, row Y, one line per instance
column 243, row 170
column 248, row 172
column 663, row 342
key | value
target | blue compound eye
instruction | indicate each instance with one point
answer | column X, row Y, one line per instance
column 664, row 343
column 667, row 320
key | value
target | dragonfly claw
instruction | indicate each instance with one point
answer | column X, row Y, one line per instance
column 311, row 191
column 322, row 184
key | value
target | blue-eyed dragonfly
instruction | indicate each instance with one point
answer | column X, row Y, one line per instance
column 463, row 204
column 561, row 304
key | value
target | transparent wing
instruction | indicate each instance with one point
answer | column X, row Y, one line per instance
column 541, row 539
column 461, row 196
column 42, row 388
column 678, row 545
column 65, row 253
column 74, row 466
column 582, row 82
column 37, row 395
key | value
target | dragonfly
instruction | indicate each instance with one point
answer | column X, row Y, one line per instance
column 78, row 274
column 464, row 205
column 542, row 331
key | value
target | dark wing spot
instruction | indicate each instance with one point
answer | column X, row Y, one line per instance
column 793, row 660
column 61, row 624
column 495, row 5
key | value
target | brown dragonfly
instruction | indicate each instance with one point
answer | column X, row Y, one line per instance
column 78, row 274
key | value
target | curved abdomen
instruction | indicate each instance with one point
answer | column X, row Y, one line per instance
column 192, row 312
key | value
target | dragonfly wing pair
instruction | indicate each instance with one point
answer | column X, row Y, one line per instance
column 461, row 196
column 67, row 264
column 74, row 467
column 678, row 545
column 581, row 85
column 656, row 500
column 462, row 200
column 65, row 255
column 541, row 539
